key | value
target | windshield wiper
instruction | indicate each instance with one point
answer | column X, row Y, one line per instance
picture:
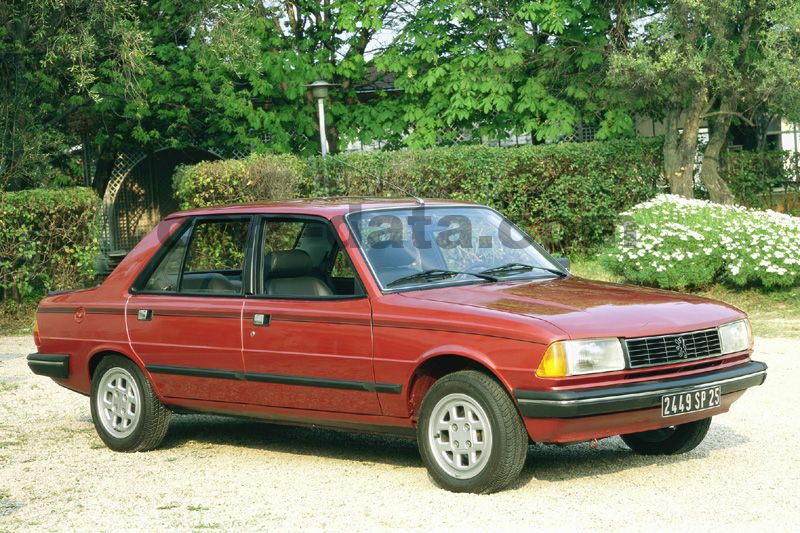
column 438, row 274
column 520, row 267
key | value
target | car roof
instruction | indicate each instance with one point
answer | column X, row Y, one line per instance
column 326, row 207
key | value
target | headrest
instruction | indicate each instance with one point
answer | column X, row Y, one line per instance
column 395, row 253
column 291, row 264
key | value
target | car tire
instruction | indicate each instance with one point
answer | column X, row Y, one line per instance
column 126, row 412
column 470, row 434
column 669, row 441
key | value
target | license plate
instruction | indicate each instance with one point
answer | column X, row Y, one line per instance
column 681, row 403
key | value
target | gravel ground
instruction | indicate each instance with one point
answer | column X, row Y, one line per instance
column 213, row 472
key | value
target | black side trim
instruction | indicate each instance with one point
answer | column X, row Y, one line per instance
column 195, row 372
column 281, row 379
column 57, row 310
column 577, row 403
column 336, row 425
column 52, row 365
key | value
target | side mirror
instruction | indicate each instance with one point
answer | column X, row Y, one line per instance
column 563, row 261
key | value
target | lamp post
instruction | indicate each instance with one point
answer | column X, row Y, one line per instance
column 319, row 90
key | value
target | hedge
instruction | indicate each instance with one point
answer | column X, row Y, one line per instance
column 258, row 177
column 568, row 195
column 48, row 239
column 764, row 179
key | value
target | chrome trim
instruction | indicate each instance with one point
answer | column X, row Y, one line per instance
column 672, row 335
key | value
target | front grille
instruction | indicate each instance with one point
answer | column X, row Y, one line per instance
column 675, row 348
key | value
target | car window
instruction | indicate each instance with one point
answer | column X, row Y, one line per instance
column 303, row 259
column 166, row 276
column 428, row 246
column 215, row 257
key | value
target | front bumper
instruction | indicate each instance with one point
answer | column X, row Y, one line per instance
column 52, row 365
column 636, row 396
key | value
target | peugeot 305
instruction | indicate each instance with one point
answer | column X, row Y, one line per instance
column 442, row 321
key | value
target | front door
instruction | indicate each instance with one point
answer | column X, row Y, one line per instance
column 184, row 321
column 307, row 331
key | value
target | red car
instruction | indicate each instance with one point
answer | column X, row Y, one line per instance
column 438, row 320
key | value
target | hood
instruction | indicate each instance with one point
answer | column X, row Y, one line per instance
column 583, row 308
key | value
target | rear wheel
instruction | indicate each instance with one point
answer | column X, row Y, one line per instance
column 672, row 440
column 127, row 414
column 470, row 434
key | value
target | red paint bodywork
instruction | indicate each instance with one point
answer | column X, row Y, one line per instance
column 382, row 338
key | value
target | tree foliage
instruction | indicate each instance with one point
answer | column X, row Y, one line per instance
column 516, row 66
column 59, row 60
column 232, row 76
column 715, row 61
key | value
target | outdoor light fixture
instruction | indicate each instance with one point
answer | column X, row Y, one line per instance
column 319, row 90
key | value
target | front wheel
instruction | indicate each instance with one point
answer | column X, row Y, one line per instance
column 126, row 412
column 470, row 434
column 671, row 440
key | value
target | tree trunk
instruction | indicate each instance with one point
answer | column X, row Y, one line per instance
column 671, row 140
column 682, row 182
column 718, row 190
column 102, row 173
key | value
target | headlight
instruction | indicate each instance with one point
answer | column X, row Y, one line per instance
column 572, row 358
column 736, row 336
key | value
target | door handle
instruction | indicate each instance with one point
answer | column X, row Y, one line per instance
column 261, row 319
column 144, row 314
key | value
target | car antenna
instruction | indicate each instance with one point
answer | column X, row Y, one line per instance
column 379, row 180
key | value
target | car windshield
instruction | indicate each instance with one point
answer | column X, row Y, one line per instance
column 429, row 246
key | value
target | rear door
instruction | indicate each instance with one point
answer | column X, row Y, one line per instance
column 307, row 329
column 184, row 315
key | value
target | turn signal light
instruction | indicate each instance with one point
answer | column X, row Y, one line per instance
column 554, row 362
column 36, row 338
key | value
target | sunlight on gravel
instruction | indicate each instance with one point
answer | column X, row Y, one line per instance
column 220, row 473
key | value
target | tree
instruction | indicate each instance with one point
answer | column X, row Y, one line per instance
column 55, row 60
column 696, row 61
column 214, row 74
column 516, row 66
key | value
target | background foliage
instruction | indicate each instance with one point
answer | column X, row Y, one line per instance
column 82, row 80
column 566, row 195
column 767, row 180
column 48, row 239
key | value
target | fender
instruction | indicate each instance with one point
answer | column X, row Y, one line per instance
column 124, row 350
column 458, row 351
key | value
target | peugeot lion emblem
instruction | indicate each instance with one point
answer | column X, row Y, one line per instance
column 680, row 345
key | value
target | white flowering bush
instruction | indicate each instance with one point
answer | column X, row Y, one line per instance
column 672, row 242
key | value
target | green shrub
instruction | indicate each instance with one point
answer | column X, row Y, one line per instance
column 259, row 177
column 675, row 243
column 48, row 240
column 567, row 195
column 764, row 180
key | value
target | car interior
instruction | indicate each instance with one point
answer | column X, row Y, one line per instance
column 301, row 259
column 304, row 259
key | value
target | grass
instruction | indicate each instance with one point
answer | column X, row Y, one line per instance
column 8, row 387
column 773, row 313
column 167, row 506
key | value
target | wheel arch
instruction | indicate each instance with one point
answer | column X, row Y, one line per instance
column 100, row 352
column 435, row 365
